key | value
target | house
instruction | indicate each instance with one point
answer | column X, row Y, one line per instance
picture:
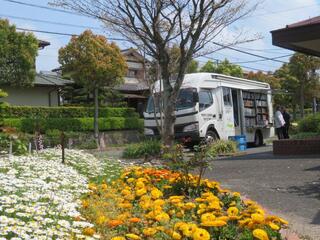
column 44, row 92
column 135, row 89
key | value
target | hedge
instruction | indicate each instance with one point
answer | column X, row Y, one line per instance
column 310, row 123
column 64, row 112
column 29, row 125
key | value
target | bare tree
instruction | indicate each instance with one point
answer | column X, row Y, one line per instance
column 160, row 24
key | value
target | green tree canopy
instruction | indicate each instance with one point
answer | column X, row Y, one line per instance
column 300, row 79
column 18, row 51
column 267, row 78
column 193, row 66
column 209, row 67
column 91, row 61
column 227, row 68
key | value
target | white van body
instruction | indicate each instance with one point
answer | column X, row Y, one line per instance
column 226, row 106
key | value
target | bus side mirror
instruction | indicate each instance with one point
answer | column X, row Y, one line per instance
column 195, row 97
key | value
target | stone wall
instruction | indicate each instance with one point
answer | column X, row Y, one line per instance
column 296, row 147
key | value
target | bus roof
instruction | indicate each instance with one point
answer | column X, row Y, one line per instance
column 214, row 80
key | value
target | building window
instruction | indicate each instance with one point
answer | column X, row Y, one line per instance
column 132, row 73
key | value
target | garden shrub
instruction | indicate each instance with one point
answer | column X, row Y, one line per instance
column 145, row 148
column 305, row 135
column 310, row 124
column 19, row 145
column 222, row 147
column 65, row 112
column 29, row 125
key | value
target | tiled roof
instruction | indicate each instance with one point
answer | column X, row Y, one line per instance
column 50, row 80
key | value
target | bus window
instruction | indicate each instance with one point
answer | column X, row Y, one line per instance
column 227, row 96
column 205, row 99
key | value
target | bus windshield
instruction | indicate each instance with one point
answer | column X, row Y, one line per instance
column 185, row 100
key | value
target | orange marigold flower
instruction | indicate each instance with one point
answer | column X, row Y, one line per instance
column 134, row 220
column 114, row 223
column 88, row 231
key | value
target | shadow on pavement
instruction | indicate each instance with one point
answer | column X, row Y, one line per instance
column 268, row 155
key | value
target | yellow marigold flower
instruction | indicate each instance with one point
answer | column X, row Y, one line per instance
column 141, row 192
column 260, row 211
column 214, row 205
column 125, row 205
column 85, row 203
column 140, row 185
column 257, row 218
column 156, row 193
column 133, row 236
column 178, row 225
column 118, row 238
column 167, row 187
column 130, row 180
column 200, row 211
column 200, row 200
column 92, row 186
column 202, row 206
column 159, row 202
column 125, row 192
column 223, row 218
column 88, row 231
column 260, row 234
column 244, row 221
column 283, row 221
column 232, row 211
column 149, row 231
column 176, row 236
column 101, row 220
column 189, row 206
column 215, row 223
column 180, row 214
column 162, row 217
column 201, row 234
column 274, row 226
column 236, row 194
column 207, row 217
column 188, row 229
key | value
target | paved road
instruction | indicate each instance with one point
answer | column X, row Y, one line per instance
column 287, row 186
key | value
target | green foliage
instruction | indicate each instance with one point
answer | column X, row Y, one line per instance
column 2, row 105
column 143, row 149
column 92, row 62
column 225, row 67
column 18, row 51
column 30, row 125
column 19, row 145
column 193, row 66
column 65, row 112
column 305, row 135
column 268, row 78
column 310, row 123
column 222, row 147
column 209, row 67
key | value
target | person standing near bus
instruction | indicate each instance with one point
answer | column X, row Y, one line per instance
column 279, row 123
column 286, row 117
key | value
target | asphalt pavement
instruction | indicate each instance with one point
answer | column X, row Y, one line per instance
column 286, row 186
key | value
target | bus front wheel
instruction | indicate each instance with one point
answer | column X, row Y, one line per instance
column 211, row 137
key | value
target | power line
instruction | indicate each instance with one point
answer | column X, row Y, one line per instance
column 43, row 7
column 240, row 65
column 254, row 61
column 49, row 22
column 248, row 53
column 64, row 34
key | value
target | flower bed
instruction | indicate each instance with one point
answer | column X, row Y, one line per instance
column 40, row 196
column 146, row 203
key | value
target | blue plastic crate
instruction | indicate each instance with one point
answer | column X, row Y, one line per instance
column 241, row 141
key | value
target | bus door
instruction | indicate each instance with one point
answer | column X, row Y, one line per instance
column 228, row 114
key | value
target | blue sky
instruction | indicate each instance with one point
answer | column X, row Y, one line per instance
column 271, row 15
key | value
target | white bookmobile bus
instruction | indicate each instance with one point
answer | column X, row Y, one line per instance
column 214, row 106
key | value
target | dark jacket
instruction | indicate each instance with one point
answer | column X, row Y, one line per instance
column 286, row 117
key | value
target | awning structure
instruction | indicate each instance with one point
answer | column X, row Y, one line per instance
column 302, row 36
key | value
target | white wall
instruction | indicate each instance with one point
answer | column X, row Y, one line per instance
column 35, row 96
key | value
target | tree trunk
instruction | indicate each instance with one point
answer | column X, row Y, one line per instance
column 302, row 99
column 96, row 114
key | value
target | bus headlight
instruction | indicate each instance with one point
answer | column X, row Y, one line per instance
column 191, row 128
column 148, row 131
